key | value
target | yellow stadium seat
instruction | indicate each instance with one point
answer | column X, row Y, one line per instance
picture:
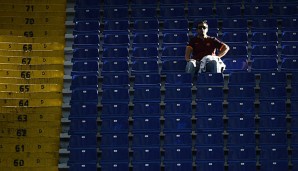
column 30, row 117
column 30, row 132
column 33, row 7
column 30, row 140
column 29, row 147
column 29, row 88
column 27, row 40
column 34, row 1
column 34, row 32
column 32, row 14
column 33, row 53
column 30, row 95
column 31, row 67
column 28, row 74
column 32, row 20
column 30, row 60
column 44, row 168
column 55, row 80
column 26, row 125
column 55, row 26
column 30, row 102
column 27, row 47
column 32, row 110
column 34, row 161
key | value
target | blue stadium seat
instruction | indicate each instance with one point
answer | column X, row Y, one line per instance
column 209, row 92
column 210, row 165
column 178, row 154
column 114, row 110
column 144, row 66
column 272, row 92
column 237, row 51
column 85, row 67
column 214, row 153
column 144, row 52
column 289, row 36
column 114, row 155
column 200, row 2
column 235, row 65
column 240, row 106
column 264, row 50
column 208, row 108
column 114, row 3
column 146, row 124
column 241, row 121
column 275, row 152
column 264, row 37
column 264, row 24
column 148, row 79
column 116, row 40
column 146, row 154
column 143, row 3
column 145, row 109
column 145, row 40
column 172, row 2
column 178, row 93
column 242, row 78
column 114, row 140
column 209, row 123
column 210, row 79
column 83, row 110
column 173, row 52
column 147, row 94
column 87, row 140
column 146, row 26
column 81, row 27
column 209, row 138
column 173, row 66
column 85, row 54
column 235, row 25
column 272, row 137
column 178, row 79
column 242, row 153
column 268, row 122
column 177, row 165
column 178, row 108
column 195, row 12
column 274, row 165
column 177, row 123
column 114, row 53
column 178, row 139
column 112, row 95
column 259, row 10
column 241, row 137
column 79, row 155
column 86, row 40
column 264, row 64
column 289, row 24
column 145, row 139
column 84, row 94
column 175, row 25
column 146, row 166
column 87, row 4
column 235, row 37
column 289, row 51
column 227, row 11
column 176, row 39
column 241, row 92
column 174, row 12
column 82, row 166
column 273, row 78
column 87, row 81
column 114, row 66
column 289, row 65
column 115, row 80
column 272, row 107
column 84, row 14
column 284, row 10
column 83, row 125
column 146, row 11
column 114, row 125
column 116, row 26
column 112, row 13
column 115, row 166
column 246, row 165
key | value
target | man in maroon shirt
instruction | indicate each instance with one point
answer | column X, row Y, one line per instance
column 203, row 45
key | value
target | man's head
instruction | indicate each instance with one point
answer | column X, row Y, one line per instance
column 202, row 28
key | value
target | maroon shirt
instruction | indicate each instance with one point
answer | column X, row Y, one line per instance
column 204, row 47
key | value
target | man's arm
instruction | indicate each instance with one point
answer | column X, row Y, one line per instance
column 188, row 52
column 223, row 50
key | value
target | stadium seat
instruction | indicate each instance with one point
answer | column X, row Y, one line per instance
column 235, row 25
column 114, row 140
column 264, row 64
column 227, row 11
column 210, row 165
column 175, row 25
column 284, row 10
column 242, row 78
column 110, row 110
column 241, row 137
column 268, row 122
column 178, row 154
column 83, row 125
column 114, row 3
column 177, row 123
column 83, row 110
column 272, row 92
column 115, row 80
column 174, row 12
column 144, row 66
column 241, row 122
column 146, row 124
column 235, row 65
column 272, row 107
column 114, row 66
column 112, row 95
column 83, row 68
column 274, row 165
column 146, row 11
column 209, row 92
column 87, row 81
column 240, row 107
column 146, row 26
column 145, row 139
column 147, row 79
column 172, row 2
column 116, row 26
column 177, row 139
column 209, row 138
column 289, row 50
column 86, row 40
column 116, row 40
column 112, row 13
column 246, row 165
column 86, row 4
column 174, row 39
column 173, row 52
column 114, row 53
column 82, row 27
column 114, row 155
column 178, row 108
column 147, row 94
column 264, row 24
column 177, row 165
column 115, row 166
column 85, row 54
column 203, row 12
column 114, row 125
column 209, row 108
column 289, row 65
column 144, row 52
column 178, row 79
column 84, row 14
column 145, row 40
column 241, row 92
column 289, row 24
column 242, row 153
column 146, row 154
column 289, row 36
column 84, row 94
column 237, row 51
column 173, row 66
column 146, row 166
column 273, row 78
column 209, row 123
column 210, row 79
column 178, row 93
column 145, row 109
column 252, row 11
column 144, row 3
column 235, row 37
column 264, row 37
column 212, row 153
column 78, row 155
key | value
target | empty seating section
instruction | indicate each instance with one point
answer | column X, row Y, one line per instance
column 133, row 107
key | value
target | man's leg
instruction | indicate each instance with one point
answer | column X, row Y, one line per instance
column 190, row 68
